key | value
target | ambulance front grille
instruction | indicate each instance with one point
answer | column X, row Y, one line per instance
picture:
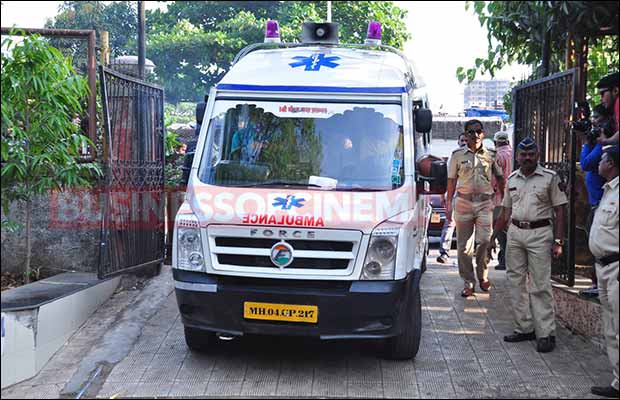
column 330, row 251
column 305, row 263
column 317, row 245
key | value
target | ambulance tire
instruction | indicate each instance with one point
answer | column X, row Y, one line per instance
column 405, row 346
column 199, row 340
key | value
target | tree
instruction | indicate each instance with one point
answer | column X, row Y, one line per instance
column 41, row 141
column 193, row 43
column 518, row 29
column 119, row 18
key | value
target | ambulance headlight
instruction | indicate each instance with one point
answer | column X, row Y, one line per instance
column 189, row 249
column 195, row 259
column 380, row 259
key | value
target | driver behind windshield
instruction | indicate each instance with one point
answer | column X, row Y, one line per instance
column 244, row 145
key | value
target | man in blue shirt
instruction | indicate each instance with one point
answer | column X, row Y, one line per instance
column 244, row 146
column 590, row 156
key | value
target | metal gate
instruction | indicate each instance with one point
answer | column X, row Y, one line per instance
column 543, row 110
column 132, row 230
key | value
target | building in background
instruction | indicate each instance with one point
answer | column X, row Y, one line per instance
column 486, row 94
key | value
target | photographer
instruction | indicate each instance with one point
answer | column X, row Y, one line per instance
column 610, row 96
column 590, row 157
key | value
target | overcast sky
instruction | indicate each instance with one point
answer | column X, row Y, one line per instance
column 444, row 37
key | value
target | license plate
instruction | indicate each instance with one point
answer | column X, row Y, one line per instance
column 435, row 218
column 280, row 312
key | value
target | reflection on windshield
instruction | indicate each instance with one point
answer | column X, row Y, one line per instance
column 325, row 146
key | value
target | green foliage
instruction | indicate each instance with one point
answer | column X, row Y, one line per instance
column 193, row 43
column 174, row 160
column 507, row 101
column 180, row 113
column 41, row 97
column 516, row 30
column 119, row 18
column 602, row 59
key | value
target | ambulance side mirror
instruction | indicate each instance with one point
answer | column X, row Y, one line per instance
column 431, row 175
column 188, row 160
column 423, row 120
column 191, row 144
column 200, row 110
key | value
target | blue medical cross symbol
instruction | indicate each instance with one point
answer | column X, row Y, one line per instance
column 288, row 202
column 315, row 62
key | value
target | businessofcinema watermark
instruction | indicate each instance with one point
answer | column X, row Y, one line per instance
column 123, row 208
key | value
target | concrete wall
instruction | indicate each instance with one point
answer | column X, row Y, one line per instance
column 65, row 233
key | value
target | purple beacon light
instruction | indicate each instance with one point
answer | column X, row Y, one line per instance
column 373, row 37
column 272, row 32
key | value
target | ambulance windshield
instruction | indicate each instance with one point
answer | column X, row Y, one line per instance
column 317, row 145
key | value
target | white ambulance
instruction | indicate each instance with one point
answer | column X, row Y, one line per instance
column 305, row 212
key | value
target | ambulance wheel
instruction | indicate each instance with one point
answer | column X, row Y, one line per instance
column 198, row 340
column 405, row 346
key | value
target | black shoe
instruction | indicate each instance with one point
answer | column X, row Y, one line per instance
column 546, row 344
column 520, row 337
column 443, row 258
column 500, row 268
column 605, row 391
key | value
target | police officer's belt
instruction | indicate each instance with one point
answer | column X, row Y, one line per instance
column 475, row 197
column 608, row 259
column 531, row 224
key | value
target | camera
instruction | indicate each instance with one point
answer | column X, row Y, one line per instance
column 583, row 125
column 582, row 121
column 595, row 131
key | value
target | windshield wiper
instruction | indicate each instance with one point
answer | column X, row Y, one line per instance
column 284, row 183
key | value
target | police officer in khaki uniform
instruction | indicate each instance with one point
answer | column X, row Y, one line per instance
column 470, row 175
column 531, row 199
column 604, row 246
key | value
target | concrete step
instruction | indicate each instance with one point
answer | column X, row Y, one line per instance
column 38, row 318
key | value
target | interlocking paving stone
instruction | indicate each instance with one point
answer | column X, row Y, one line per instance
column 259, row 388
column 117, row 389
column 400, row 390
column 47, row 391
column 54, row 376
column 440, row 388
column 263, row 369
column 187, row 388
column 329, row 388
column 131, row 369
column 398, row 371
column 195, row 369
column 294, row 387
column 224, row 388
column 362, row 370
column 158, row 389
column 462, row 355
column 226, row 369
column 162, row 369
column 365, row 389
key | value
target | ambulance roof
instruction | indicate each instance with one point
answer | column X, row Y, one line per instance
column 319, row 69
